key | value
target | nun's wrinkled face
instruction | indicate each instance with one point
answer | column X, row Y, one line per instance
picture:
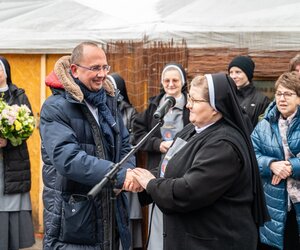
column 287, row 101
column 201, row 113
column 239, row 77
column 172, row 83
column 2, row 77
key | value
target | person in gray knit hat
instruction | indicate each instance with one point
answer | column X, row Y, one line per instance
column 253, row 102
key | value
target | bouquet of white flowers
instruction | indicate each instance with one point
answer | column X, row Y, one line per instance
column 16, row 122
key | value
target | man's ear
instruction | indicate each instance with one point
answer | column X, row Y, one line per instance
column 74, row 70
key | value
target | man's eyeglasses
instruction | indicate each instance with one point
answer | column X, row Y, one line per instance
column 285, row 95
column 191, row 100
column 96, row 68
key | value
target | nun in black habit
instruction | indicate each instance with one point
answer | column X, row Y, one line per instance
column 209, row 190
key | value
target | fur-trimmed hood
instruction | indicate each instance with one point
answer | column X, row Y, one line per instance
column 61, row 78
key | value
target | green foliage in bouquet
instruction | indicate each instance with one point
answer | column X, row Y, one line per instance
column 16, row 122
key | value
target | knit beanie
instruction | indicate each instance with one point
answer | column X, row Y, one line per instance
column 245, row 63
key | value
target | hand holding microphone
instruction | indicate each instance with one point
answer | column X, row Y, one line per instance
column 164, row 108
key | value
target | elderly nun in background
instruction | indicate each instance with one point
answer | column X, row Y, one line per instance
column 210, row 192
column 174, row 83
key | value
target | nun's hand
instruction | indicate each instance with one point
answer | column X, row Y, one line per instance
column 3, row 142
column 143, row 176
column 164, row 146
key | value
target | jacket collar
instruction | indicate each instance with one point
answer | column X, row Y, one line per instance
column 247, row 90
column 62, row 71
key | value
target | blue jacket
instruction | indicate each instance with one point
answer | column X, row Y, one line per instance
column 75, row 159
column 268, row 147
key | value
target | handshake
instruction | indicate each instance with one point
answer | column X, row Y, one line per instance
column 137, row 179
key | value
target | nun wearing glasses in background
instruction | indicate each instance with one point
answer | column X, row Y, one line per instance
column 173, row 83
column 276, row 140
column 210, row 192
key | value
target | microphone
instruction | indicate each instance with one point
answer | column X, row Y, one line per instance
column 164, row 108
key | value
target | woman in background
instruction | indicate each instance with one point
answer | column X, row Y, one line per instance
column 16, row 228
column 294, row 64
column 174, row 83
column 128, row 114
column 254, row 103
column 276, row 140
column 127, row 110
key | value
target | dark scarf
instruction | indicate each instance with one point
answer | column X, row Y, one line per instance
column 106, row 120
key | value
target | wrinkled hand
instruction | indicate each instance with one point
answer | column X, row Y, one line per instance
column 164, row 146
column 275, row 180
column 282, row 169
column 143, row 176
column 3, row 142
column 130, row 183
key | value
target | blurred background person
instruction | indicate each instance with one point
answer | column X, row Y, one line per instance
column 294, row 64
column 210, row 193
column 128, row 114
column 16, row 227
column 276, row 141
column 241, row 70
column 174, row 83
column 127, row 110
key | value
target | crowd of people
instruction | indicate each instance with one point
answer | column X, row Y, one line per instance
column 222, row 170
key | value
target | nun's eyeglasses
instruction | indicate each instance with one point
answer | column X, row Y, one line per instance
column 192, row 100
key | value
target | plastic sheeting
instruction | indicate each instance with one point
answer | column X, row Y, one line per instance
column 52, row 26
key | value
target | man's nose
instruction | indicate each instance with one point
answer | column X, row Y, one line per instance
column 101, row 73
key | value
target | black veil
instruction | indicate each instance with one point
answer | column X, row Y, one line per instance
column 226, row 103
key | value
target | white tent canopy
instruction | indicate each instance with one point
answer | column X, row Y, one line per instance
column 58, row 25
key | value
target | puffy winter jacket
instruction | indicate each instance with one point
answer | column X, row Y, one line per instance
column 268, row 147
column 75, row 160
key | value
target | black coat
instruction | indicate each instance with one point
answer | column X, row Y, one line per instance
column 144, row 122
column 253, row 102
column 206, row 195
column 128, row 115
column 17, row 177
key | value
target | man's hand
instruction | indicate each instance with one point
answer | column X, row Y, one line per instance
column 130, row 183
